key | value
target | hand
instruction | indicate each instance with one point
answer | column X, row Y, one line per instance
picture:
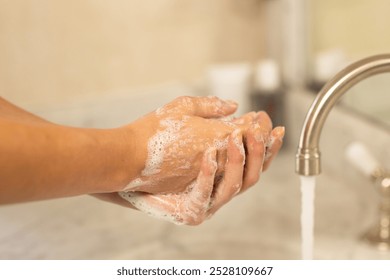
column 204, row 196
column 262, row 144
column 224, row 171
column 160, row 153
column 172, row 140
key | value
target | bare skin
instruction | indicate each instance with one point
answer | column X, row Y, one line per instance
column 43, row 160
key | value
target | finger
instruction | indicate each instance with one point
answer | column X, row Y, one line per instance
column 265, row 124
column 248, row 118
column 206, row 107
column 200, row 194
column 234, row 169
column 245, row 122
column 274, row 144
column 261, row 119
column 189, row 207
column 255, row 148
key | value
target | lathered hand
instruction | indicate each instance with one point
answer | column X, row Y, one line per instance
column 196, row 160
column 200, row 199
column 203, row 197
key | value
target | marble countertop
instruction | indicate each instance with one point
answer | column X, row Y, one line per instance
column 262, row 223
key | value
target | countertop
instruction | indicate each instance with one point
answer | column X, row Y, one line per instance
column 262, row 223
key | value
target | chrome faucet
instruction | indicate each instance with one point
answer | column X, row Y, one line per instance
column 308, row 157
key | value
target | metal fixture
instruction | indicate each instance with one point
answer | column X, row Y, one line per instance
column 308, row 157
column 379, row 234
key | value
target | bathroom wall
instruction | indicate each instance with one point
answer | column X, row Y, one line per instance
column 357, row 26
column 353, row 29
column 53, row 51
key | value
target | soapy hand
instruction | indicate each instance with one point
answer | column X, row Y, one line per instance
column 204, row 196
column 171, row 142
column 161, row 156
column 191, row 206
column 195, row 160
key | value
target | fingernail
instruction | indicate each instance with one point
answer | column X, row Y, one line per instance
column 252, row 116
column 257, row 116
column 279, row 131
column 260, row 114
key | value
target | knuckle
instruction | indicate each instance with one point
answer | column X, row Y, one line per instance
column 236, row 157
column 235, row 189
column 239, row 158
column 193, row 221
column 209, row 170
column 258, row 150
column 184, row 100
column 213, row 98
column 253, row 179
column 197, row 221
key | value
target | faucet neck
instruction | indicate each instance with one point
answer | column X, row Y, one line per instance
column 308, row 154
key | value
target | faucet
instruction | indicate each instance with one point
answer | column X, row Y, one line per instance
column 308, row 156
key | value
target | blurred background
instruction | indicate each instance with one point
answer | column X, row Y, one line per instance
column 55, row 52
column 104, row 63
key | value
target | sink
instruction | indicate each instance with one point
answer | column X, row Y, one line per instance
column 260, row 224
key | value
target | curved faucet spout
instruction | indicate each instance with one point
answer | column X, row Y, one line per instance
column 308, row 157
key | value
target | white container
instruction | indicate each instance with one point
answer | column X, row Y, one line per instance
column 360, row 157
column 267, row 76
column 231, row 82
column 327, row 63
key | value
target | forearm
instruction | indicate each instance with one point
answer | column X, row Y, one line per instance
column 43, row 160
column 12, row 112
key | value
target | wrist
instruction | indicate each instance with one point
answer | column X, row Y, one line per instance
column 118, row 152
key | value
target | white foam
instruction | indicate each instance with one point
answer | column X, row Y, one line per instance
column 157, row 145
column 227, row 119
column 159, row 111
column 136, row 183
column 239, row 145
column 139, row 202
column 269, row 144
column 220, row 144
column 181, row 208
column 258, row 136
column 236, row 188
column 185, row 165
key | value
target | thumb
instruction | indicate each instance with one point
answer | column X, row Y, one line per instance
column 207, row 107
